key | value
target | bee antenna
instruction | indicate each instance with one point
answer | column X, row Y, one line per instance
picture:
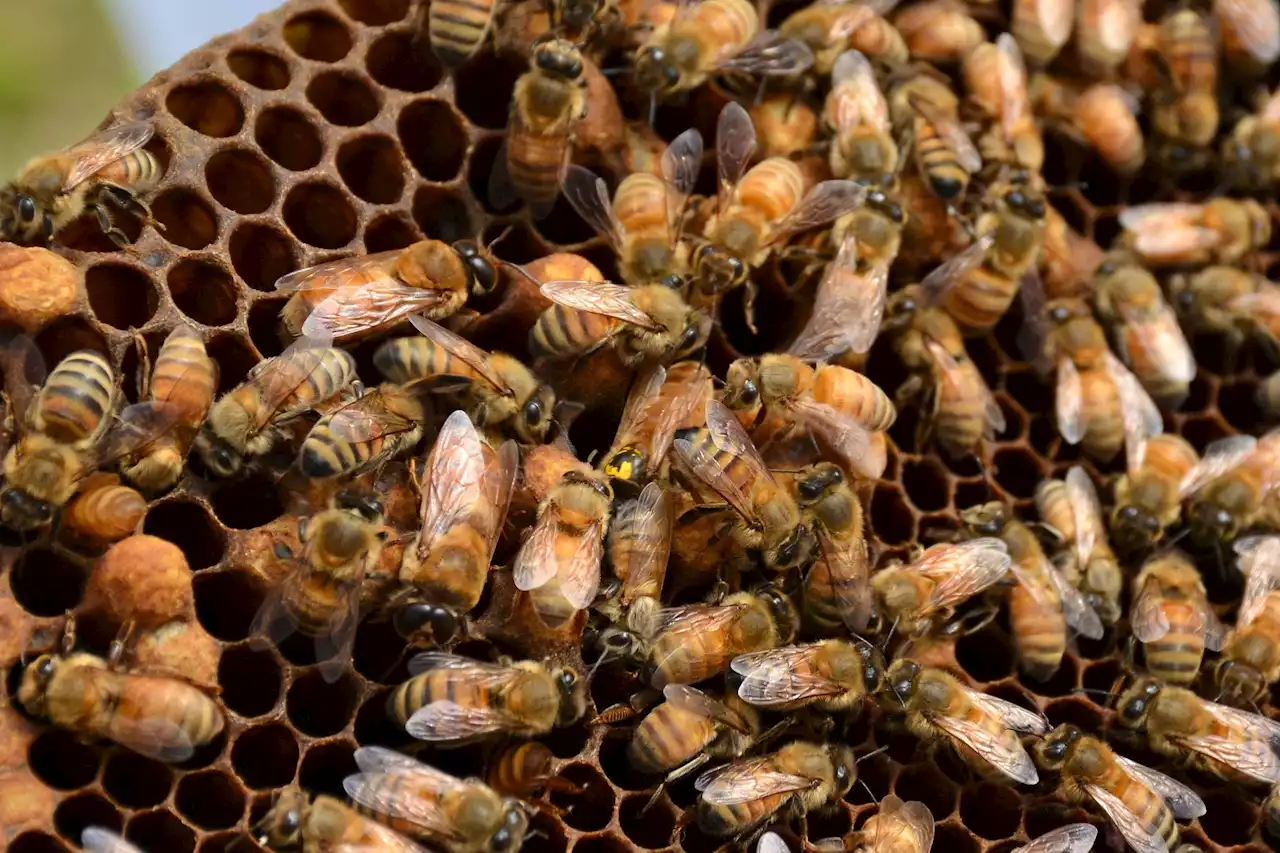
column 1177, row 537
column 496, row 240
column 870, row 754
column 892, row 628
column 867, row 788
column 653, row 108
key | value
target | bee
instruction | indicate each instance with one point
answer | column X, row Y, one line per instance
column 800, row 777
column 1071, row 507
column 661, row 401
column 830, row 29
column 897, row 827
column 1250, row 33
column 1102, row 117
column 857, row 114
column 643, row 223
column 1252, row 151
column 109, row 169
column 105, row 511
column 1172, row 618
column 1231, row 488
column 1222, row 230
column 364, row 434
column 983, row 729
column 938, row 30
column 1146, row 331
column 321, row 596
column 1072, row 838
column 521, row 770
column 453, row 815
column 1187, row 115
column 837, row 588
column 766, row 517
column 831, row 675
column 926, row 111
column 942, row 577
column 1042, row 28
column 324, row 823
column 996, row 77
column 639, row 548
column 250, row 419
column 352, row 297
column 1250, row 661
column 95, row 839
column 960, row 410
column 1105, row 30
column 465, row 495
column 1148, row 500
column 455, row 30
column 1141, row 803
column 689, row 729
column 1229, row 301
column 452, row 700
column 757, row 209
column 1068, row 259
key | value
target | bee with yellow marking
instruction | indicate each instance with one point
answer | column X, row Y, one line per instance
column 364, row 434
column 521, row 770
column 1250, row 661
column 927, row 590
column 456, row 29
column 639, row 548
column 1172, row 618
column 831, row 675
column 1222, row 230
column 938, row 30
column 109, row 169
column 1105, row 31
column 1252, row 151
column 453, row 815
column 857, row 114
column 830, row 29
column 1042, row 27
column 104, row 511
column 1071, row 507
column 1148, row 500
column 1233, row 488
column 324, row 823
column 996, row 77
column 837, row 588
column 689, row 729
column 452, row 700
column 661, row 401
column 925, row 114
column 983, row 729
column 897, row 827
column 1141, row 803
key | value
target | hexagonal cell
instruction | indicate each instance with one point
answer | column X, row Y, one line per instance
column 235, row 359
column 372, row 168
column 260, row 255
column 954, row 839
column 892, row 520
column 442, row 214
column 565, row 228
column 569, row 741
column 617, row 766
column 991, row 811
column 484, row 84
column 120, row 296
column 318, row 708
column 1060, row 683
column 37, row 842
column 1076, row 711
column 546, row 835
column 513, row 242
column 259, row 68
column 651, row 828
column 876, row 772
column 240, row 180
column 187, row 219
column 1017, row 471
column 433, row 138
column 318, row 36
column 226, row 602
column 250, row 679
column 76, row 814
column 607, row 843
column 1042, row 819
column 379, row 652
column 63, row 337
column 389, row 232
column 396, row 63
column 374, row 727
column 210, row 799
column 375, row 13
column 206, row 106
column 246, row 504
column 203, row 291
column 289, row 138
column 1203, row 431
column 986, row 655
column 325, row 765
column 221, row 842
column 320, row 215
column 1230, row 817
column 343, row 98
column 135, row 781
column 265, row 756
column 480, row 172
column 160, row 830
column 926, row 783
column 46, row 584
column 62, row 761
column 264, row 326
column 188, row 526
column 927, row 485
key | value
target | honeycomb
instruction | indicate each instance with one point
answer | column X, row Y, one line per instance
column 319, row 130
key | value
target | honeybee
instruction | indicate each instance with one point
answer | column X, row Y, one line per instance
column 766, row 517
column 321, row 596
column 1072, row 838
column 1071, row 507
column 1172, row 618
column 897, row 827
column 1043, row 603
column 800, row 777
column 938, row 30
column 1042, row 29
column 925, row 111
column 353, row 297
column 837, row 588
column 1222, row 230
column 757, row 209
column 364, row 434
column 324, row 823
column 689, row 729
column 1068, row 259
column 453, row 700
column 983, row 729
column 829, row 29
column 250, row 419
column 104, row 511
column 785, row 127
column 1231, row 488
column 996, row 77
column 1250, row 663
column 465, row 495
column 1146, row 331
column 455, row 815
column 960, row 409
column 1230, row 301
column 1102, row 117
column 1187, row 115
column 1149, row 499
column 522, row 770
column 639, row 548
column 1250, row 33
column 1141, row 803
column 1105, row 31
column 857, row 115
column 661, row 401
column 456, row 30
column 1252, row 151
column 832, row 675
column 109, row 169
column 942, row 577
column 848, row 306
column 95, row 839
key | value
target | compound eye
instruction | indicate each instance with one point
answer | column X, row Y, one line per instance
column 750, row 393
column 501, row 839
column 810, row 489
column 1128, row 512
column 26, row 208
column 1035, row 208
column 568, row 679
column 835, row 476
column 1059, row 314
column 689, row 338
column 44, row 670
column 1135, row 709
column 671, row 74
column 1187, row 299
column 1015, row 199
column 1222, row 518
column 674, row 282
column 1056, row 750
column 842, row 774
column 291, row 822
column 533, row 412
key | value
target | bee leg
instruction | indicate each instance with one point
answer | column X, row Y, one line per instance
column 679, row 773
column 118, row 646
column 108, row 226
column 749, row 306
column 144, row 365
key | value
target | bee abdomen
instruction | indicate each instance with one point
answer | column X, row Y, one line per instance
column 719, row 821
column 184, row 375
column 980, row 300
column 534, row 162
column 76, row 398
column 137, row 171
column 325, row 455
column 458, row 28
column 562, row 331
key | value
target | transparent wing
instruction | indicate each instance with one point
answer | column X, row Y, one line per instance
column 589, row 196
column 1252, row 726
column 466, row 669
column 1014, row 107
column 1261, row 566
column 972, row 571
column 778, row 677
column 1251, row 756
column 745, row 781
column 1137, row 831
column 914, row 816
column 1255, row 25
column 378, row 839
column 1000, row 749
column 579, row 574
column 1068, row 402
column 694, row 701
column 680, row 165
column 103, row 149
column 336, row 638
column 1147, row 618
column 1183, row 802
column 595, row 297
column 1138, row 412
column 1086, row 510
column 1011, row 716
column 848, row 438
column 135, row 428
column 824, row 203
column 949, row 370
column 1079, row 614
column 1219, row 458
column 949, row 128
column 352, row 310
column 650, row 524
column 1159, row 214
column 735, row 143
column 1162, row 337
column 95, row 839
column 954, row 270
column 454, row 479
column 352, row 272
column 375, row 759
column 24, row 374
column 463, row 350
column 848, row 563
column 938, row 561
column 861, row 101
column 1055, row 18
column 155, row 737
column 698, row 618
column 728, row 436
column 536, row 562
column 281, row 379
column 770, row 54
column 771, row 842
column 410, row 794
column 366, row 418
column 1073, row 838
column 644, row 391
column 847, row 308
column 444, row 721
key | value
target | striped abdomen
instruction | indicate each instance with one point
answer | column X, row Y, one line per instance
column 721, row 821
column 640, row 205
column 311, row 605
column 407, row 360
column 1104, row 423
column 137, row 171
column 314, row 375
column 438, row 685
column 855, row 395
column 687, row 657
column 1168, row 458
column 1145, row 804
column 185, row 377
column 978, row 302
column 397, row 786
column 826, row 588
column 668, row 737
column 1258, row 643
column 1026, row 26
column 719, row 28
column 455, row 568
column 998, row 732
column 632, row 534
column 937, row 161
column 143, row 697
column 1187, row 47
column 1039, row 630
column 959, row 416
column 562, row 331
column 458, row 28
column 75, row 403
column 1176, row 656
column 342, row 444
column 106, row 513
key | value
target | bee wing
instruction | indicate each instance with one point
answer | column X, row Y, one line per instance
column 644, row 392
column 463, row 350
column 1004, row 753
column 367, row 418
column 1079, row 614
column 652, row 530
column 1215, row 633
column 589, row 196
column 735, row 143
column 770, row 54
column 445, row 721
column 350, row 311
column 579, row 574
column 135, row 428
column 949, row 371
column 1160, row 214
column 1031, row 583
column 1014, row 104
column 103, row 149
column 729, row 437
column 280, row 378
column 1252, row 726
column 411, row 794
column 680, row 164
column 775, row 677
column 536, row 562
column 824, row 203
column 744, row 781
column 1140, row 834
column 1056, row 18
column 915, row 816
column 454, row 480
column 676, row 412
column 970, row 572
column 1256, row 25
column 697, row 618
column 335, row 641
column 24, row 374
column 861, row 101
column 771, row 842
column 1167, row 229
column 1118, row 22
column 848, row 560
column 1262, row 570
column 1138, row 412
column 850, row 440
column 1251, row 756
column 1072, row 838
column 1068, row 401
column 1220, row 457
column 377, row 839
column 940, row 560
column 1085, row 510
column 847, row 309
column 953, row 271
column 1161, row 336
column 595, row 297
column 950, row 129
column 154, row 737
column 351, row 273
column 1011, row 716
column 1183, row 802
column 694, row 701
column 1147, row 616
column 95, row 839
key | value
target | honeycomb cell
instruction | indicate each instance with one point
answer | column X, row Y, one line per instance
column 343, row 99
column 1203, row 431
column 606, row 843
column 320, row 215
column 991, row 811
column 187, row 219
column 1061, row 683
column 442, row 214
column 260, row 255
column 1076, row 711
column 545, row 835
column 46, row 584
column 876, row 773
column 318, row 36
column 318, row 708
column 36, row 842
column 264, row 326
column 206, row 106
column 433, row 138
column 250, row 679
column 371, row 168
column 649, row 829
column 484, row 156
column 1230, row 818
column 394, row 62
column 240, row 180
column 592, row 804
column 210, row 799
column 135, row 781
column 221, row 842
column 265, row 756
column 160, row 830
column 954, row 839
column 891, row 518
column 1238, row 403
column 226, row 602
column 373, row 725
column 928, row 784
column 325, row 765
column 203, row 291
column 246, row 504
column 484, row 84
column 513, row 242
column 120, row 296
column 76, row 814
column 563, row 227
column 926, row 484
column 188, row 526
column 62, row 761
column 986, row 655
column 379, row 652
column 375, row 13
column 259, row 68
column 615, row 764
column 1017, row 471
column 289, row 138
column 389, row 232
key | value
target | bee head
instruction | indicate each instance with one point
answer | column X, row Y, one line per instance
column 21, row 511
column 35, row 683
column 782, row 611
column 1211, row 524
column 573, row 695
column 879, row 201
column 535, row 416
column 845, row 770
column 508, row 837
column 422, row 623
column 484, row 278
column 873, row 666
column 741, row 389
column 656, row 71
column 282, row 826
column 718, row 270
column 793, row 551
column 820, row 478
column 696, row 329
column 1133, row 528
column 559, row 58
column 220, row 458
column 1052, row 751
column 1136, row 702
column 901, row 679
column 1239, row 681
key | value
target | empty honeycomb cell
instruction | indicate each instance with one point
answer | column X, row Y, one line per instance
column 953, row 838
column 926, row 783
column 926, row 484
column 512, row 242
column 226, row 602
column 240, row 180
column 1017, row 471
column 972, row 494
column 135, row 781
column 58, row 340
column 317, row 35
column 389, row 232
column 374, row 727
column 617, row 766
column 433, row 138
column 1076, row 710
column 939, row 528
column 76, row 814
column 248, row 503
column 260, row 255
column 289, row 138
column 343, row 99
column 891, row 518
column 986, row 655
column 203, row 290
column 648, row 828
column 63, row 761
column 371, row 168
column 264, row 326
column 206, row 106
column 483, row 86
column 320, row 215
column 379, row 653
column 590, row 807
column 188, row 526
column 1203, row 431
column 120, row 296
column 991, row 811
column 46, row 584
column 325, row 765
column 1046, row 818
column 1061, row 683
column 1015, row 422
column 1238, row 403
column 210, row 799
column 606, row 843
column 441, row 214
column 221, row 842
column 876, row 773
column 375, row 13
column 160, row 830
column 259, row 68
column 265, row 756
column 546, row 835
column 187, row 219
column 36, row 842
column 1230, row 818
column 480, row 172
column 563, row 227
column 234, row 358
column 318, row 708
column 395, row 62
column 249, row 678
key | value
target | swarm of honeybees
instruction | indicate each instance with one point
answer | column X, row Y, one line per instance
column 533, row 476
